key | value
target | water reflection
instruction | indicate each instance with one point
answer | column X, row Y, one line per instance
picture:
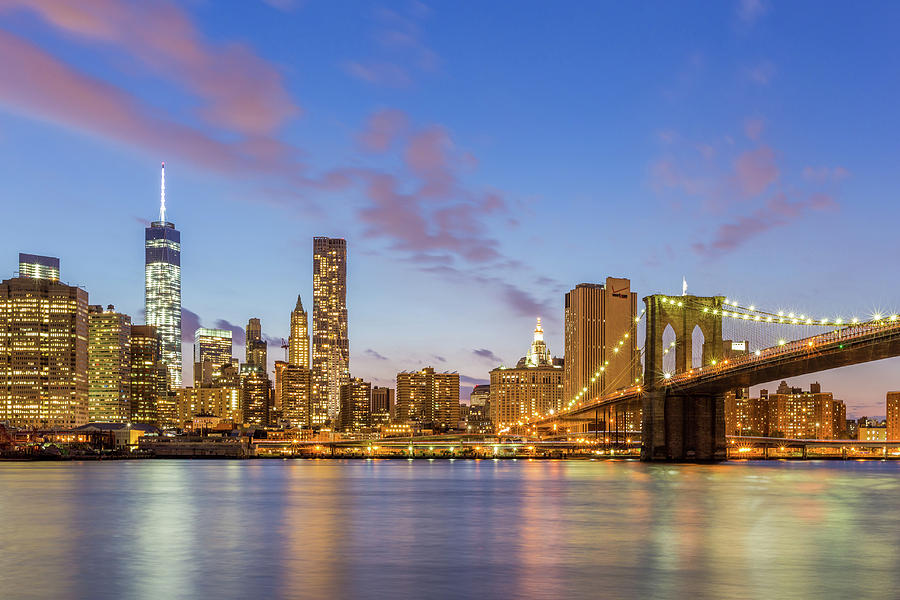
column 448, row 529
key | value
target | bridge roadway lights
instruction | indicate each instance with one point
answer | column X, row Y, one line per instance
column 683, row 427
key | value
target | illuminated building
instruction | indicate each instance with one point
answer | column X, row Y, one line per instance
column 788, row 413
column 212, row 351
column 876, row 433
column 382, row 405
column 256, row 395
column 481, row 395
column 295, row 395
column 38, row 267
column 109, row 365
column 428, row 398
column 330, row 344
column 43, row 353
column 162, row 287
column 149, row 375
column 256, row 347
column 892, row 403
column 530, row 389
column 221, row 402
column 597, row 316
column 356, row 399
column 298, row 344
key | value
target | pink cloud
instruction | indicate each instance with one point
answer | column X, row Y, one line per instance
column 778, row 211
column 33, row 82
column 239, row 90
column 756, row 170
column 379, row 73
column 383, row 129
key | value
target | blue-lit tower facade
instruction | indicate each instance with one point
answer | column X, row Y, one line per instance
column 162, row 286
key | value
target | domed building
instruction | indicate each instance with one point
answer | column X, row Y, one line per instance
column 533, row 387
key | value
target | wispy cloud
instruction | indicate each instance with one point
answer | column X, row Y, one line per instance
column 750, row 11
column 374, row 354
column 488, row 355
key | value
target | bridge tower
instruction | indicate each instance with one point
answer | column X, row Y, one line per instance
column 681, row 426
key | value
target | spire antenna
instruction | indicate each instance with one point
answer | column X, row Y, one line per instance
column 162, row 194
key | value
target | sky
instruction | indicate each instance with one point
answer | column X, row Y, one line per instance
column 480, row 158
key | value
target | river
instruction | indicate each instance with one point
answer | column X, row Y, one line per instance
column 163, row 529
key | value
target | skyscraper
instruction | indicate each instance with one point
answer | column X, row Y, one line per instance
column 298, row 344
column 43, row 353
column 356, row 400
column 38, row 267
column 892, row 407
column 162, row 286
column 256, row 347
column 597, row 317
column 330, row 347
column 109, row 365
column 212, row 351
column 148, row 375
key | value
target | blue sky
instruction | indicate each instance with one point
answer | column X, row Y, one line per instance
column 480, row 158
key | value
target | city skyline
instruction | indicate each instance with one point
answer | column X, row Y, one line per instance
column 751, row 178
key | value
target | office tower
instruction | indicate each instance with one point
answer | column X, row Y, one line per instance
column 481, row 395
column 43, row 353
column 38, row 267
column 256, row 395
column 597, row 316
column 330, row 346
column 256, row 347
column 296, row 387
column 356, row 400
column 280, row 366
column 893, row 415
column 212, row 351
column 382, row 409
column 428, row 398
column 298, row 344
column 149, row 375
column 109, row 365
column 532, row 388
column 162, row 286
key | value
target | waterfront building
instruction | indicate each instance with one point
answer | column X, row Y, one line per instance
column 298, row 342
column 296, row 386
column 162, row 286
column 38, row 267
column 532, row 388
column 382, row 409
column 356, row 400
column 330, row 344
column 892, row 406
column 790, row 413
column 43, row 352
column 256, row 395
column 212, row 351
column 109, row 365
column 149, row 375
column 428, row 398
column 256, row 347
column 221, row 402
column 597, row 317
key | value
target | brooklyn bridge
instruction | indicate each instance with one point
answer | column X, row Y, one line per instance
column 695, row 351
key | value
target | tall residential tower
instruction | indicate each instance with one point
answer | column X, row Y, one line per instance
column 330, row 346
column 162, row 291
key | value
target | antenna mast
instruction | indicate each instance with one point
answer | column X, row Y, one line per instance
column 162, row 194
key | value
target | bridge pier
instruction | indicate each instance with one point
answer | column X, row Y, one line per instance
column 683, row 427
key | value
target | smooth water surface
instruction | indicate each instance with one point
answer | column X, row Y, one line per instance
column 448, row 529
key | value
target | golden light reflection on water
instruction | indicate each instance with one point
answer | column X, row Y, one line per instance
column 448, row 529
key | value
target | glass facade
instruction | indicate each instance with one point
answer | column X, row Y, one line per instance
column 330, row 346
column 109, row 365
column 38, row 267
column 162, row 297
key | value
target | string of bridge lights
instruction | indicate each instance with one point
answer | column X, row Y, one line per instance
column 602, row 368
column 751, row 313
